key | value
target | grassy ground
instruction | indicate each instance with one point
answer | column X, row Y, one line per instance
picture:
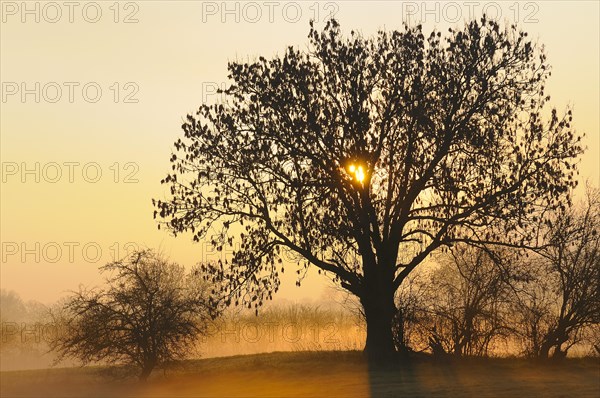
column 319, row 374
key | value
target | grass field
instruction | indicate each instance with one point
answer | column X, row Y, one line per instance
column 318, row 374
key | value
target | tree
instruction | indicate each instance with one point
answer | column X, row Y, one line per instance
column 563, row 296
column 11, row 306
column 363, row 156
column 464, row 308
column 24, row 330
column 149, row 315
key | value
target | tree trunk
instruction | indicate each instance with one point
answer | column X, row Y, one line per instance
column 380, row 309
column 146, row 370
column 554, row 340
column 544, row 350
column 559, row 354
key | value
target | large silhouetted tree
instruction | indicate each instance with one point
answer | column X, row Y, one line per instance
column 362, row 156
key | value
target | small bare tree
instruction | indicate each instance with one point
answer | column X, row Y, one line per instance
column 562, row 298
column 462, row 310
column 149, row 315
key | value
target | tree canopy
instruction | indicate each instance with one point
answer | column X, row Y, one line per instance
column 149, row 315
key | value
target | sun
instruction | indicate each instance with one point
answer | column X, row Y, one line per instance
column 358, row 171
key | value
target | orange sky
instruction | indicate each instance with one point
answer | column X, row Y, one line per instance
column 151, row 73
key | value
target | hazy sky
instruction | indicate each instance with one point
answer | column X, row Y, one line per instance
column 91, row 106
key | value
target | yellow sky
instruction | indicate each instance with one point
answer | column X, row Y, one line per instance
column 153, row 72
